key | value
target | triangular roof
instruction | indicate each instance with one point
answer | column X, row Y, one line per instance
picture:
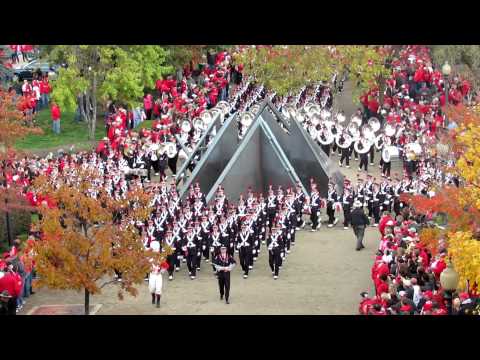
column 258, row 162
column 294, row 151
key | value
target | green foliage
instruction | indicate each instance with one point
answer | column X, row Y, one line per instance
column 72, row 133
column 181, row 55
column 288, row 68
column 20, row 221
column 122, row 71
column 465, row 60
column 106, row 72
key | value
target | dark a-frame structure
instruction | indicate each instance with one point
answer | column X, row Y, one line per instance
column 272, row 152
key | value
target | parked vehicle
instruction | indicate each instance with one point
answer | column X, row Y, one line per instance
column 36, row 66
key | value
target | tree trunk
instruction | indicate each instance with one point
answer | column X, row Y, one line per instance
column 381, row 90
column 7, row 221
column 93, row 103
column 87, row 302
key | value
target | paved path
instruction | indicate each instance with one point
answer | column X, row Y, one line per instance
column 322, row 275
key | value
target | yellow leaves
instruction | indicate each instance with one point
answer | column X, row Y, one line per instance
column 465, row 253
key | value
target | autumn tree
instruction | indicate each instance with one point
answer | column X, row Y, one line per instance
column 12, row 128
column 287, row 68
column 98, row 73
column 461, row 204
column 465, row 60
column 84, row 242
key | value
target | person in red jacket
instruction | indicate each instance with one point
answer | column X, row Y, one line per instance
column 56, row 118
column 10, row 286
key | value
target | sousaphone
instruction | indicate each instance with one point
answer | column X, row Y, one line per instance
column 374, row 124
column 353, row 130
column 171, row 149
column 186, row 126
column 389, row 130
column 325, row 137
column 246, row 119
column 356, row 119
column 389, row 152
column 343, row 140
column 362, row 146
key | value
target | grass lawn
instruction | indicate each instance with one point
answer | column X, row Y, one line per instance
column 70, row 133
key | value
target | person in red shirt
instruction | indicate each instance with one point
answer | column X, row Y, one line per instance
column 55, row 111
column 10, row 286
column 148, row 106
column 44, row 92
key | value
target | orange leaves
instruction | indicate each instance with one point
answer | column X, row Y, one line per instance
column 429, row 238
column 82, row 245
column 12, row 124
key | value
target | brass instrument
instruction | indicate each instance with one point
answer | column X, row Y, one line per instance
column 390, row 130
column 341, row 117
column 325, row 137
column 353, row 130
column 171, row 149
column 343, row 140
column 186, row 126
column 388, row 152
column 312, row 130
column 356, row 120
column 199, row 123
column 374, row 124
column 246, row 119
column 362, row 146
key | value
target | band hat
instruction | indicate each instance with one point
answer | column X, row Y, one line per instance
column 357, row 204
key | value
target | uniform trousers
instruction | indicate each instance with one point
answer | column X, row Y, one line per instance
column 364, row 161
column 192, row 262
column 345, row 157
column 274, row 260
column 245, row 255
column 224, row 283
column 314, row 217
column 330, row 213
column 346, row 215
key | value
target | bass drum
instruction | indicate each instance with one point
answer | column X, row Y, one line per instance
column 390, row 153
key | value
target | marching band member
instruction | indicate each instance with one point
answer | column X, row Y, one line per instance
column 332, row 198
column 197, row 230
column 224, row 264
column 376, row 201
column 191, row 249
column 275, row 246
column 347, row 204
column 244, row 245
column 155, row 280
column 363, row 155
column 172, row 258
column 298, row 205
column 315, row 210
column 271, row 207
column 215, row 243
